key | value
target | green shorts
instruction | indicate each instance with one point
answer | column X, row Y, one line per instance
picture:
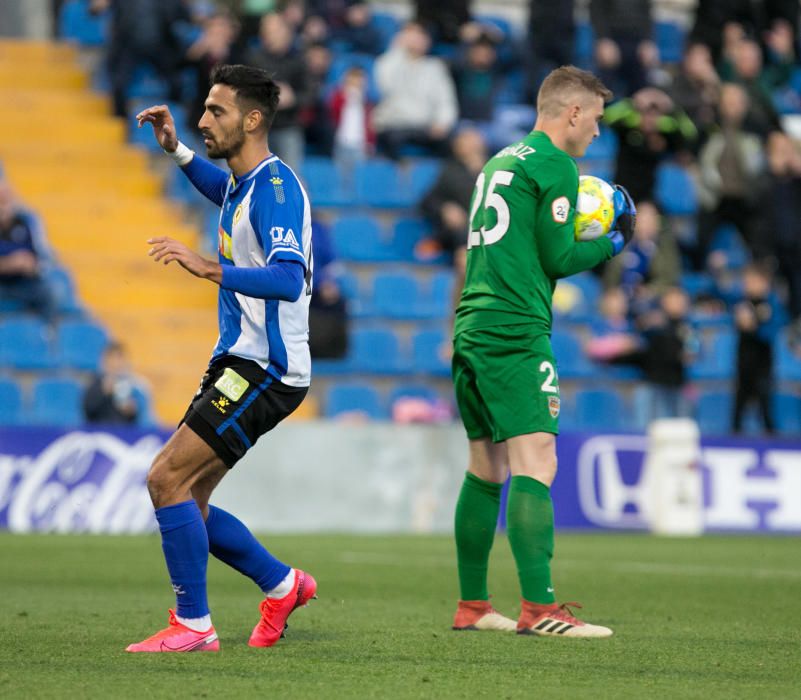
column 506, row 382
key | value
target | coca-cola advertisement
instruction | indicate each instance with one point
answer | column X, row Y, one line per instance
column 81, row 481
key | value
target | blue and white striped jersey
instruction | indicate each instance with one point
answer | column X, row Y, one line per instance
column 265, row 217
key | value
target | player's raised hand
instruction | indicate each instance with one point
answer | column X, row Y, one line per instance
column 166, row 249
column 160, row 118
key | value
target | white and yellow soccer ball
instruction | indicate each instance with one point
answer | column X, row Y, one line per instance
column 595, row 208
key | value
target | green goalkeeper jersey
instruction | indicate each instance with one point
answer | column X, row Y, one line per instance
column 521, row 237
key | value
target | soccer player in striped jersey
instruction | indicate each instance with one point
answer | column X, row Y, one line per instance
column 260, row 368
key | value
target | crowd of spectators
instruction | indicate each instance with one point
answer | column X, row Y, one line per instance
column 431, row 90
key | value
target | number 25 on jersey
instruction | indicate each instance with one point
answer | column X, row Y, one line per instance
column 491, row 199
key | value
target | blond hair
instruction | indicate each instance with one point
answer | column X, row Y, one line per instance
column 565, row 84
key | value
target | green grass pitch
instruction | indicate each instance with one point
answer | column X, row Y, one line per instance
column 707, row 618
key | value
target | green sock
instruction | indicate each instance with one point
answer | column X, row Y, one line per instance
column 476, row 520
column 529, row 523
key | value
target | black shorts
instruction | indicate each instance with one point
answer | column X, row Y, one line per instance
column 237, row 403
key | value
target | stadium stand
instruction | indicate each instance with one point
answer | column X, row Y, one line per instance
column 400, row 306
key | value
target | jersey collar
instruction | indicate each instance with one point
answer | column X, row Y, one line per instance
column 252, row 173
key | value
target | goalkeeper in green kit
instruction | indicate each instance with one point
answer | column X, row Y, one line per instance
column 521, row 240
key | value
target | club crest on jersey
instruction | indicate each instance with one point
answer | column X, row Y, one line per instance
column 283, row 236
column 237, row 214
column 554, row 404
column 560, row 208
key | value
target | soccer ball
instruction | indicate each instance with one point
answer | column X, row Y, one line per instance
column 595, row 208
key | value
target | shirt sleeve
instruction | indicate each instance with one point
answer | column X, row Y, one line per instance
column 560, row 254
column 207, row 178
column 276, row 214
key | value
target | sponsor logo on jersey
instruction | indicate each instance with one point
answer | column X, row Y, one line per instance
column 221, row 404
column 282, row 236
column 231, row 384
column 560, row 209
column 554, row 405
column 224, row 244
column 276, row 181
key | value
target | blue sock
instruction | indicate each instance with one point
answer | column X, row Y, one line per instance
column 186, row 549
column 231, row 542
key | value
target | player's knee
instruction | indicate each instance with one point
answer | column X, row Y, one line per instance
column 161, row 482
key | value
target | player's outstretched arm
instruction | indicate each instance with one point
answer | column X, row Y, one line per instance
column 207, row 178
column 282, row 279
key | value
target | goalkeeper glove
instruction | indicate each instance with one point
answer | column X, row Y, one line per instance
column 625, row 219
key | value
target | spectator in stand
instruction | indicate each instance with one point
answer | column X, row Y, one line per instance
column 315, row 116
column 358, row 32
column 739, row 16
column 111, row 397
column 217, row 44
column 351, row 109
column 731, row 164
column 445, row 20
column 758, row 318
column 418, row 101
column 447, row 203
column 696, row 88
column 624, row 50
column 650, row 128
column 277, row 55
column 250, row 13
column 551, row 38
column 143, row 31
column 477, row 75
column 670, row 345
column 747, row 68
column 23, row 254
column 781, row 205
column 613, row 334
column 328, row 311
column 650, row 264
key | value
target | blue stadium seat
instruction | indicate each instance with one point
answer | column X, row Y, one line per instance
column 407, row 232
column 379, row 183
column 327, row 186
column 360, row 237
column 675, row 190
column 430, row 353
column 584, row 45
column 81, row 344
column 25, row 343
column 440, row 296
column 604, row 147
column 714, row 413
column 788, row 364
column 669, row 38
column 11, row 402
column 421, row 175
column 387, row 25
column 76, row 23
column 600, row 409
column 728, row 239
column 56, row 402
column 376, row 351
column 354, row 397
column 571, row 361
column 787, row 413
column 397, row 295
column 63, row 288
column 717, row 358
